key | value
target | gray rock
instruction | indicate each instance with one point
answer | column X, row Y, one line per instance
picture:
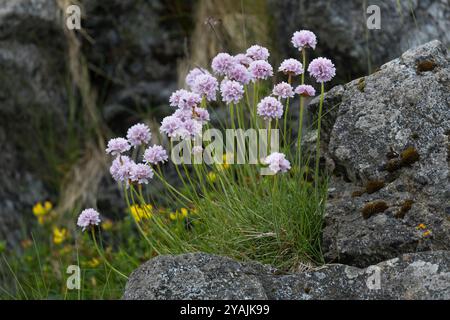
column 403, row 108
column 202, row 276
column 32, row 97
column 343, row 34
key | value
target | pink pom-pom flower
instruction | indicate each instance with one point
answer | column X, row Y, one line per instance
column 139, row 134
column 260, row 69
column 270, row 108
column 232, row 91
column 277, row 162
column 257, row 52
column 243, row 59
column 322, row 69
column 193, row 74
column 222, row 63
column 189, row 100
column 175, row 97
column 117, row 146
column 141, row 173
column 155, row 155
column 305, row 90
column 239, row 73
column 87, row 218
column 291, row 67
column 206, row 85
column 303, row 39
column 283, row 90
column 120, row 168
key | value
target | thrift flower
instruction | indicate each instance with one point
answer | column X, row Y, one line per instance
column 257, row 52
column 305, row 90
column 139, row 134
column 120, row 168
column 201, row 114
column 243, row 59
column 155, row 155
column 206, row 85
column 232, row 91
column 277, row 162
column 222, row 63
column 193, row 74
column 303, row 39
column 116, row 146
column 322, row 69
column 270, row 108
column 175, row 97
column 189, row 100
column 88, row 217
column 189, row 129
column 260, row 69
column 141, row 173
column 170, row 125
column 239, row 73
column 283, row 90
column 291, row 67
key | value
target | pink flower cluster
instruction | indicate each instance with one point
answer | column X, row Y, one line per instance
column 277, row 162
column 322, row 69
column 270, row 108
column 87, row 218
column 291, row 67
column 303, row 39
column 283, row 90
column 232, row 91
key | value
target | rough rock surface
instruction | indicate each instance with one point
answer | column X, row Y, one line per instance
column 343, row 35
column 386, row 139
column 31, row 94
column 201, row 276
column 134, row 53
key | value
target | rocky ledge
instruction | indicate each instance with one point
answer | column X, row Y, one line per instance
column 386, row 144
column 423, row 275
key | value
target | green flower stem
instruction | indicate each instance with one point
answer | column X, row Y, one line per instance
column 103, row 257
column 286, row 114
column 300, row 119
column 316, row 172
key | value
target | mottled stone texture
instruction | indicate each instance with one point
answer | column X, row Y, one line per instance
column 386, row 139
column 201, row 276
column 344, row 37
column 32, row 96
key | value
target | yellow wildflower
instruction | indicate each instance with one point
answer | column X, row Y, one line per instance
column 184, row 212
column 141, row 212
column 40, row 210
column 59, row 235
column 211, row 177
column 93, row 263
column 107, row 225
column 173, row 216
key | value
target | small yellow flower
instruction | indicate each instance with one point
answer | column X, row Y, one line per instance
column 93, row 263
column 107, row 225
column 40, row 210
column 59, row 235
column 212, row 177
column 421, row 227
column 141, row 212
column 184, row 212
column 173, row 216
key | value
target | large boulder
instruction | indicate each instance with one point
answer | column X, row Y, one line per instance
column 386, row 142
column 343, row 34
column 202, row 276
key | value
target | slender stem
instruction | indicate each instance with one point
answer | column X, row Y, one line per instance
column 286, row 114
column 300, row 118
column 316, row 173
column 104, row 258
